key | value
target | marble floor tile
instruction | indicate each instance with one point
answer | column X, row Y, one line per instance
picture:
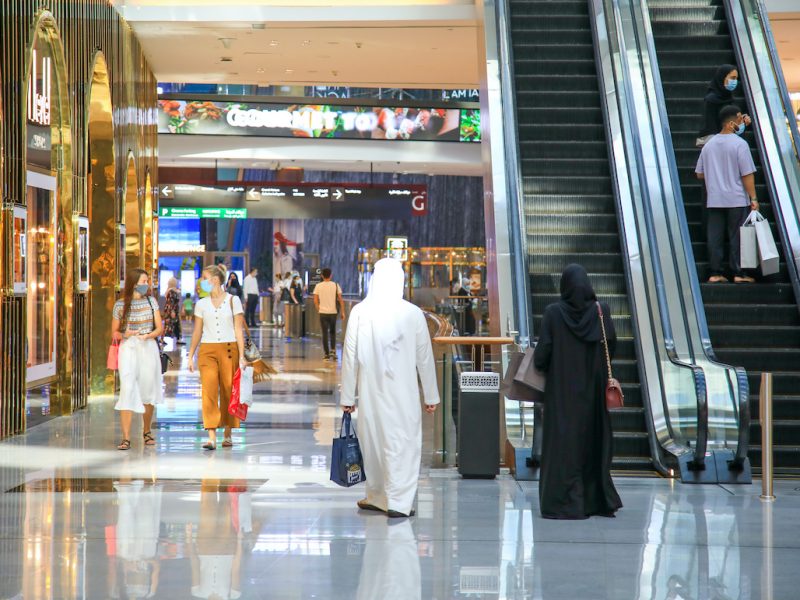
column 79, row 519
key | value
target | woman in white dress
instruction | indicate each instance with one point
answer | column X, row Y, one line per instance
column 387, row 343
column 136, row 323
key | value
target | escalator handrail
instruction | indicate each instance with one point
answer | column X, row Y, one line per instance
column 669, row 164
column 518, row 242
column 635, row 146
column 775, row 61
column 787, row 214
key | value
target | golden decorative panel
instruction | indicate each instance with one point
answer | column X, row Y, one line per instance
column 98, row 104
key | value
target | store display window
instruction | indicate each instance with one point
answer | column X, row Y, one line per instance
column 83, row 254
column 20, row 283
column 41, row 261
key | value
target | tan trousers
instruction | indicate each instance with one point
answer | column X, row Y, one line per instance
column 217, row 364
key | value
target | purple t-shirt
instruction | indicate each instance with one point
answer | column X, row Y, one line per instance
column 725, row 159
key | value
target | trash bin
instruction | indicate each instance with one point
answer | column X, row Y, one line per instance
column 479, row 425
column 294, row 320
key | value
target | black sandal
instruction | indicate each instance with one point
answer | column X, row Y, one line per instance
column 124, row 445
column 209, row 446
column 149, row 440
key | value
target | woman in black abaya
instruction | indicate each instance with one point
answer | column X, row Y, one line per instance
column 575, row 480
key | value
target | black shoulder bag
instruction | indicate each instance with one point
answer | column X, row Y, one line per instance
column 166, row 361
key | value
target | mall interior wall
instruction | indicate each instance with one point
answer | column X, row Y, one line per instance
column 455, row 218
column 91, row 116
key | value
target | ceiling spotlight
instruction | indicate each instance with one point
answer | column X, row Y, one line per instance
column 290, row 70
column 273, row 43
column 227, row 42
column 260, row 70
column 225, row 59
column 306, row 42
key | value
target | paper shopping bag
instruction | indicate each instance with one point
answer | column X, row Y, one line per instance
column 347, row 465
column 235, row 406
column 767, row 250
column 748, row 246
column 246, row 387
column 519, row 384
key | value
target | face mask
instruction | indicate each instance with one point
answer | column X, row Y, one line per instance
column 142, row 288
column 731, row 85
column 740, row 129
column 206, row 286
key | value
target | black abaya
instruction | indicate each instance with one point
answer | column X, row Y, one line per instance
column 575, row 481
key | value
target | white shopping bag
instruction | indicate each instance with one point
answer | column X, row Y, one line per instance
column 748, row 247
column 767, row 250
column 246, row 387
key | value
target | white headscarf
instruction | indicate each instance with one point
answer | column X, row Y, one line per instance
column 381, row 307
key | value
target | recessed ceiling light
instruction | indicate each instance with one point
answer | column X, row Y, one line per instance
column 290, row 70
column 259, row 25
column 273, row 42
column 335, row 73
column 225, row 59
column 306, row 42
column 260, row 70
column 333, row 43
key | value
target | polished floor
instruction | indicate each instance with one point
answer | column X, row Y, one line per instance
column 79, row 519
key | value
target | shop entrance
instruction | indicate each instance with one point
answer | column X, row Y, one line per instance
column 101, row 204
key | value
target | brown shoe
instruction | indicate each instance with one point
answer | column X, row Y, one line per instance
column 364, row 505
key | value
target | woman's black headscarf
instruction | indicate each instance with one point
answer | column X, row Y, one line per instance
column 717, row 93
column 577, row 304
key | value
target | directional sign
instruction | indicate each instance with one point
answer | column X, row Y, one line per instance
column 337, row 194
column 167, row 191
column 193, row 212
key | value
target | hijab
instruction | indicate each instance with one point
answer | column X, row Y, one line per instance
column 578, row 304
column 381, row 309
column 717, row 93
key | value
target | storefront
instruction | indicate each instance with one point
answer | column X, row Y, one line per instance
column 66, row 198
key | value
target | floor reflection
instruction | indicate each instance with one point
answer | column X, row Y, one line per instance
column 81, row 520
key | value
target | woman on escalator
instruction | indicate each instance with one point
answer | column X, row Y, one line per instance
column 575, row 480
column 719, row 93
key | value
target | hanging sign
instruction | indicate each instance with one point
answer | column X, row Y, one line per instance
column 40, row 92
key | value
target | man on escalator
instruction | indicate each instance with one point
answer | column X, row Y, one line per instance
column 727, row 169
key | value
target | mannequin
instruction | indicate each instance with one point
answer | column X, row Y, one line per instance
column 387, row 343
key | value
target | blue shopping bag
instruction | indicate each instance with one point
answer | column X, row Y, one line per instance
column 347, row 465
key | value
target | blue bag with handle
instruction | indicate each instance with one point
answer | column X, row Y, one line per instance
column 347, row 465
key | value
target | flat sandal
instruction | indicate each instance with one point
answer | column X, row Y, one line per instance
column 148, row 438
column 124, row 445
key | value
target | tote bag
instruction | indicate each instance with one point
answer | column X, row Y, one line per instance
column 347, row 464
column 748, row 246
column 767, row 250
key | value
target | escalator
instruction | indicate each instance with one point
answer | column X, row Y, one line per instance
column 568, row 197
column 756, row 325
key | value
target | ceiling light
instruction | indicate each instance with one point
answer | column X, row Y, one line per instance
column 259, row 25
column 273, row 43
column 335, row 73
column 306, row 42
column 227, row 42
column 260, row 70
column 290, row 70
column 359, row 44
column 225, row 59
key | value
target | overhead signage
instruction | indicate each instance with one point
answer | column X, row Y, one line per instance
column 198, row 212
column 298, row 201
column 203, row 117
column 40, row 87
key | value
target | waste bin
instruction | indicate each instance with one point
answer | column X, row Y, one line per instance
column 479, row 425
column 294, row 320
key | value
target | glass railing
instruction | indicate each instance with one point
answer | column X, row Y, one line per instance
column 775, row 125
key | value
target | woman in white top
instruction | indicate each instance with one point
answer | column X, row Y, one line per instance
column 136, row 322
column 218, row 330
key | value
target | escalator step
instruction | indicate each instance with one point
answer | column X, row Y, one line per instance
column 552, row 8
column 563, row 38
column 564, row 167
column 527, row 24
column 567, row 150
column 765, row 314
column 569, row 117
column 554, row 68
column 684, row 13
column 566, row 242
column 628, row 420
column 559, row 224
column 562, row 84
column 541, row 132
column 765, row 359
column 546, row 204
column 783, row 407
column 682, row 41
column 756, row 336
column 779, row 293
column 603, row 283
column 545, row 98
column 786, row 383
column 691, row 27
column 594, row 262
column 553, row 51
column 566, row 185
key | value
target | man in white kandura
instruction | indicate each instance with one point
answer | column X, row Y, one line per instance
column 387, row 343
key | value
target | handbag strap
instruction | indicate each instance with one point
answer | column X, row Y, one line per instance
column 347, row 424
column 153, row 313
column 246, row 328
column 605, row 340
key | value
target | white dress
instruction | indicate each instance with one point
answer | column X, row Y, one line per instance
column 140, row 378
column 387, row 343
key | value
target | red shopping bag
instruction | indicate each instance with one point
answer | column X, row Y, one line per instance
column 236, row 408
column 112, row 361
